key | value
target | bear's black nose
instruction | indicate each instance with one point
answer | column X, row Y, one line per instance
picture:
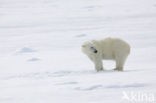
column 95, row 51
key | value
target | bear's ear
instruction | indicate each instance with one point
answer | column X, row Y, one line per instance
column 94, row 41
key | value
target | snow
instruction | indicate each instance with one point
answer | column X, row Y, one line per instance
column 40, row 50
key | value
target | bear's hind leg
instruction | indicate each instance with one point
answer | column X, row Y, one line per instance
column 120, row 61
column 119, row 68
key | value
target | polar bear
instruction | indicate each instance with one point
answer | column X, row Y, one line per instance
column 107, row 49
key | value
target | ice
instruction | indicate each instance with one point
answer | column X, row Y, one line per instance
column 40, row 50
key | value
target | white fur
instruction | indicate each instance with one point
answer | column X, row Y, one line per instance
column 107, row 49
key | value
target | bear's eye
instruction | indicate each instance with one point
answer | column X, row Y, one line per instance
column 92, row 47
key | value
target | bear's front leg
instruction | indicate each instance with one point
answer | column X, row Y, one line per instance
column 98, row 65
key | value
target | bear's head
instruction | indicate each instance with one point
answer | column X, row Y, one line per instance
column 89, row 48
